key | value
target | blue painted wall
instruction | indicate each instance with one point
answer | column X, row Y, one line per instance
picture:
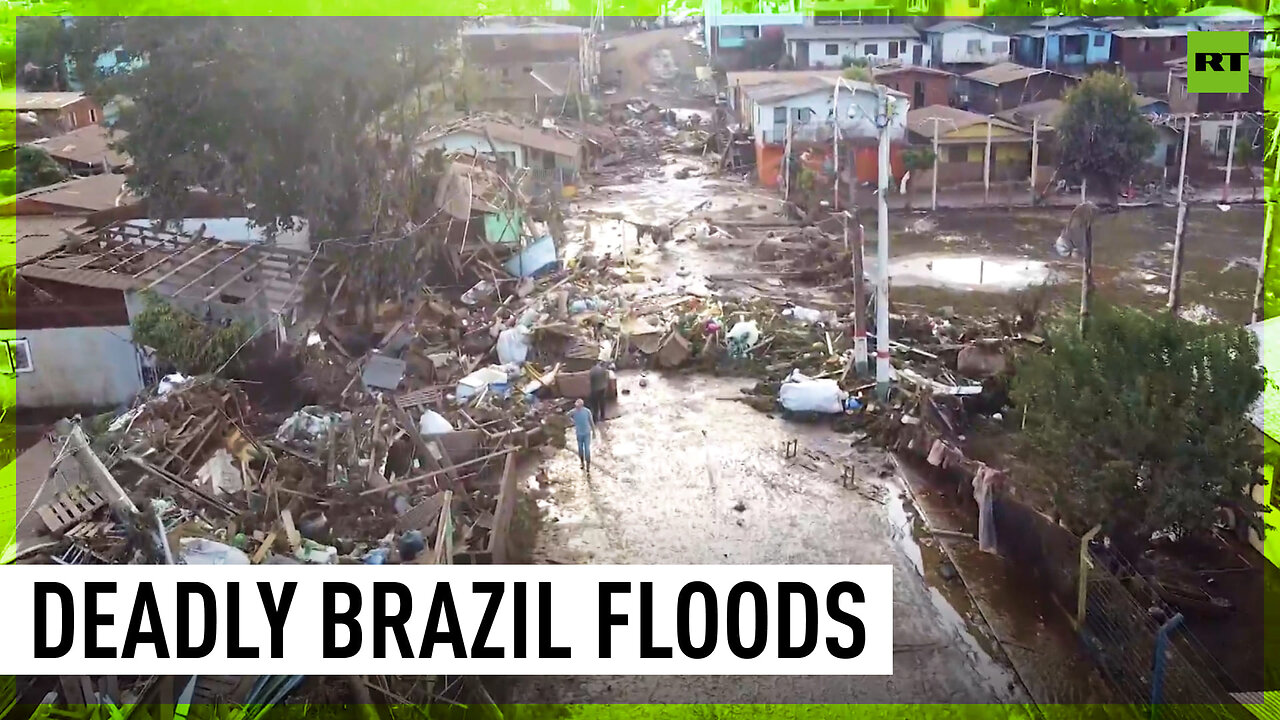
column 1097, row 49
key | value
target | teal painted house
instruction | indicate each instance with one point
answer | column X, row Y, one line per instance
column 1063, row 43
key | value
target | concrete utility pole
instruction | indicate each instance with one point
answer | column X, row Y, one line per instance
column 882, row 230
column 933, row 205
column 1175, row 277
column 1231, row 156
column 1182, row 173
column 986, row 166
column 1035, row 155
column 835, row 147
column 859, row 299
column 786, row 162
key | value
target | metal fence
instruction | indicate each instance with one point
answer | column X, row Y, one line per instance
column 1139, row 644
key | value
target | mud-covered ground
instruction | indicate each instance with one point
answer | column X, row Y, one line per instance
column 683, row 474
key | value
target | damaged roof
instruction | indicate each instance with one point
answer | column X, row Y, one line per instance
column 183, row 267
column 1045, row 111
column 40, row 235
column 89, row 194
column 1007, row 72
column 551, row 141
column 90, row 145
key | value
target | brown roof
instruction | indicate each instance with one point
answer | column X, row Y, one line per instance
column 1046, row 111
column 46, row 100
column 920, row 120
column 527, row 135
column 40, row 235
column 1006, row 72
column 88, row 146
column 89, row 194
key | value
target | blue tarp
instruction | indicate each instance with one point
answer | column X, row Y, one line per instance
column 537, row 258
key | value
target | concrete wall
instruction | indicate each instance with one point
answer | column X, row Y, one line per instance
column 954, row 46
column 89, row 367
column 855, row 112
column 872, row 50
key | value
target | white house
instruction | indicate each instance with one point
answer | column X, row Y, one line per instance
column 812, row 107
column 956, row 42
column 726, row 29
column 828, row 46
column 545, row 152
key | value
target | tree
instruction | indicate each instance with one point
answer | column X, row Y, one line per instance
column 857, row 69
column 36, row 169
column 185, row 341
column 1140, row 426
column 915, row 160
column 294, row 117
column 42, row 42
column 1102, row 137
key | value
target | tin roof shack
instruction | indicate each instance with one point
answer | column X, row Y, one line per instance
column 1063, row 43
column 964, row 46
column 1141, row 53
column 86, row 151
column 514, row 51
column 925, row 86
column 827, row 46
column 740, row 82
column 62, row 111
column 552, row 159
column 1009, row 85
column 962, row 145
column 1182, row 102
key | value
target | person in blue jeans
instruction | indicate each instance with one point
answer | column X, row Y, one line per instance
column 584, row 425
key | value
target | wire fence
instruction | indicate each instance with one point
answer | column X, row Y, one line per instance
column 1138, row 644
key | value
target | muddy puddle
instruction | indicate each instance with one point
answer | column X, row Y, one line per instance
column 685, row 475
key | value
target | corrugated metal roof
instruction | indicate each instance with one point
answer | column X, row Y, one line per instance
column 920, row 120
column 89, row 146
column 1265, row 705
column 1004, row 72
column 40, row 235
column 83, row 277
column 46, row 100
column 949, row 25
column 1150, row 32
column 526, row 135
column 1265, row 413
column 852, row 32
column 97, row 192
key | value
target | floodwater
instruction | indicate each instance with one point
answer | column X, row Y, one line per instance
column 685, row 475
column 977, row 272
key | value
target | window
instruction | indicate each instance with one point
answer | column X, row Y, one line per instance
column 957, row 154
column 999, row 47
column 779, row 115
column 802, row 115
column 872, row 49
column 93, row 115
column 751, row 32
column 973, row 47
column 548, row 161
column 19, row 355
column 893, row 49
column 1099, row 40
column 122, row 57
column 833, row 49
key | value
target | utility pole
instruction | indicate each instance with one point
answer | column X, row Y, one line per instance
column 1231, row 156
column 859, row 298
column 882, row 230
column 1175, row 278
column 934, row 202
column 1086, row 279
column 1182, row 173
column 1035, row 155
column 986, row 166
column 786, row 162
column 835, row 152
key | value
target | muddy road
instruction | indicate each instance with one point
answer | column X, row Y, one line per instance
column 685, row 475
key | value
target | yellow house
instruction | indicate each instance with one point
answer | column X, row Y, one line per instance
column 962, row 143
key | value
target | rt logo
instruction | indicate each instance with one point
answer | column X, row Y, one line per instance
column 1219, row 62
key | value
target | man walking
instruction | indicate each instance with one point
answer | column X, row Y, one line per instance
column 584, row 427
column 599, row 391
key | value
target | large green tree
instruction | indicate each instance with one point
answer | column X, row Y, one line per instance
column 1140, row 426
column 1102, row 136
column 296, row 117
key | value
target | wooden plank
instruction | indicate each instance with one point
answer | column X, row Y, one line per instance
column 264, row 548
column 213, row 269
column 218, row 290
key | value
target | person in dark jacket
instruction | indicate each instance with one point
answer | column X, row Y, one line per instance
column 599, row 391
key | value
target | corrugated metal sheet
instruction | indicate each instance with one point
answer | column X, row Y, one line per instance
column 87, row 278
column 1264, row 705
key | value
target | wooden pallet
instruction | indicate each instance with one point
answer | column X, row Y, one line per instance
column 428, row 397
column 90, row 531
column 70, row 508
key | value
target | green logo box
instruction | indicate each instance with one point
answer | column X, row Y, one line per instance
column 1218, row 62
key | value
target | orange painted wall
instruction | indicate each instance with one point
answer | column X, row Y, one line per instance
column 866, row 159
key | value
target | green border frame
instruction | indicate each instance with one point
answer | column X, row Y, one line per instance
column 10, row 12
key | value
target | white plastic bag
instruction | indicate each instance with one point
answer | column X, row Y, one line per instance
column 198, row 551
column 800, row 393
column 513, row 345
column 433, row 423
column 745, row 332
column 805, row 315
